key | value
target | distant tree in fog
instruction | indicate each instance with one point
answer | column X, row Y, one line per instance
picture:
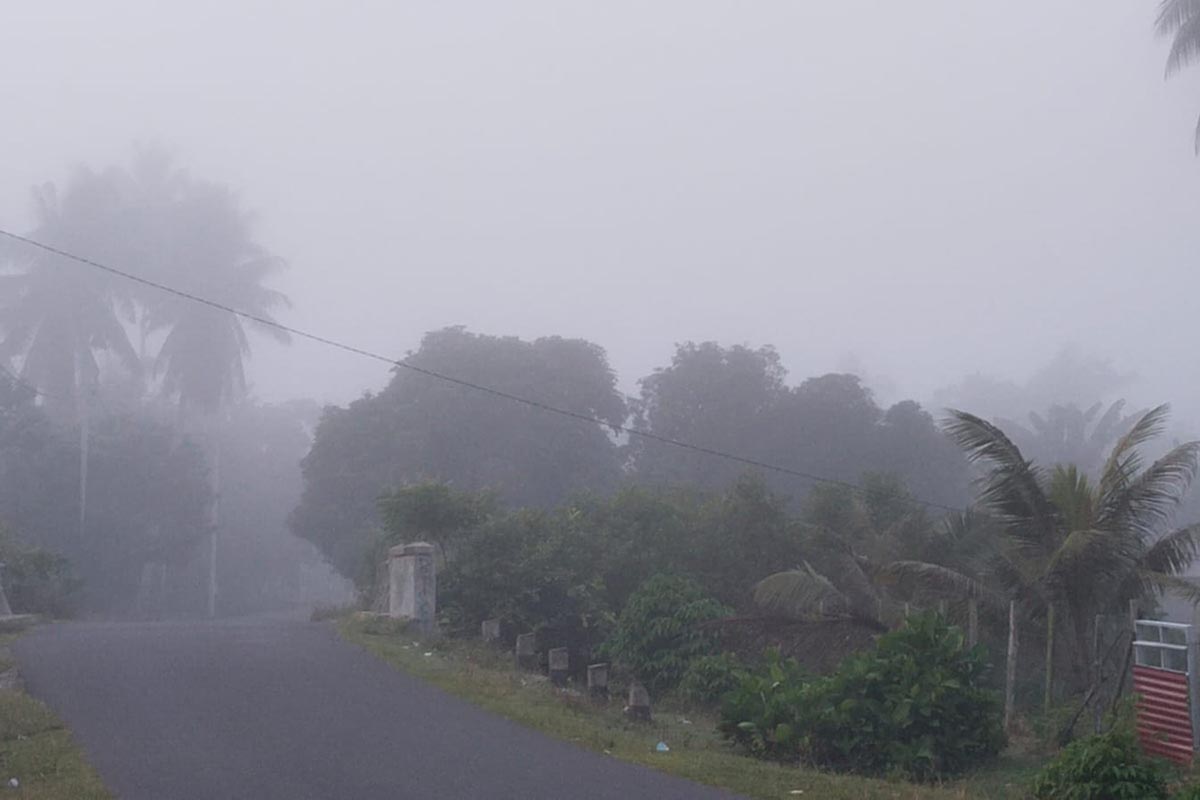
column 58, row 316
column 421, row 428
column 736, row 400
column 712, row 396
column 1068, row 434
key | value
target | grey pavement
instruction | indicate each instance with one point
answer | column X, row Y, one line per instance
column 273, row 709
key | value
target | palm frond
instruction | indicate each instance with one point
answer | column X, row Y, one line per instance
column 1175, row 552
column 1124, row 462
column 1145, row 502
column 1173, row 14
column 1089, row 559
column 801, row 592
column 939, row 581
column 1013, row 490
column 1184, row 588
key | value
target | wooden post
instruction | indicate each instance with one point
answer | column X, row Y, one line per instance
column 942, row 609
column 1010, row 671
column 972, row 622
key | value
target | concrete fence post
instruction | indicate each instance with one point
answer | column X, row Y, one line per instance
column 526, row 651
column 597, row 681
column 559, row 661
column 412, row 585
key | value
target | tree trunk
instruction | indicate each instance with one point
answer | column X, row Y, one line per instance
column 216, row 523
column 84, row 443
column 1049, row 696
column 1010, row 671
column 972, row 622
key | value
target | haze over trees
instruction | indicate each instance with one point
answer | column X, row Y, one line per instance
column 733, row 400
column 104, row 358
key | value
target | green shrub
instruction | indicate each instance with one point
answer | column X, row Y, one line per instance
column 914, row 705
column 1108, row 766
column 37, row 581
column 1191, row 792
column 709, row 678
column 658, row 633
column 762, row 712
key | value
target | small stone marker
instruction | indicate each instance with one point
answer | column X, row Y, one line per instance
column 527, row 651
column 491, row 630
column 560, row 660
column 638, row 707
column 597, row 678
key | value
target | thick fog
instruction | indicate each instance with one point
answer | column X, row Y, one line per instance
column 915, row 191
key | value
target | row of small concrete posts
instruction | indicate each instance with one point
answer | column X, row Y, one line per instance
column 558, row 660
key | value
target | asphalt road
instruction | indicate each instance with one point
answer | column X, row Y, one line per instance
column 281, row 710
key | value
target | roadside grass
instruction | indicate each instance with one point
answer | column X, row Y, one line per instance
column 486, row 677
column 37, row 749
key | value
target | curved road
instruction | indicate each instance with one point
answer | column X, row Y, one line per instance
column 281, row 710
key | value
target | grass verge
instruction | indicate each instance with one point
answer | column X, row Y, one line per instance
column 485, row 677
column 37, row 750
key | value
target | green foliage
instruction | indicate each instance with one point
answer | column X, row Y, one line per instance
column 658, row 633
column 1191, row 792
column 914, row 705
column 761, row 712
column 533, row 570
column 37, row 581
column 433, row 512
column 1108, row 766
column 709, row 678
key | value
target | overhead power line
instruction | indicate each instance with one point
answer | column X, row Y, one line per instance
column 526, row 401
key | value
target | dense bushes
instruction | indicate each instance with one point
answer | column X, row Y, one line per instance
column 658, row 633
column 1109, row 766
column 36, row 581
column 527, row 569
column 709, row 678
column 914, row 705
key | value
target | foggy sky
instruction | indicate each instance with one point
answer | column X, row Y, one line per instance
column 927, row 189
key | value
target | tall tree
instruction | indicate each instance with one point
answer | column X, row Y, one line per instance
column 717, row 397
column 421, row 428
column 199, row 240
column 59, row 316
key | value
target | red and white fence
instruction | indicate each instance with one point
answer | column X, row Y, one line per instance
column 1166, row 681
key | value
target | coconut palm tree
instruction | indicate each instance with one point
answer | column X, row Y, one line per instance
column 1180, row 20
column 1070, row 548
column 58, row 316
column 208, row 251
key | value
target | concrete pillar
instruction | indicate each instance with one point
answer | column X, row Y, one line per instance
column 490, row 629
column 5, row 611
column 597, row 681
column 638, row 707
column 559, row 661
column 527, row 651
column 412, row 585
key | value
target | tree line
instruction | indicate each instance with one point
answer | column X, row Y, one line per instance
column 730, row 399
